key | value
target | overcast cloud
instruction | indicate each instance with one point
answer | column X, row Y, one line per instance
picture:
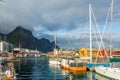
column 64, row 17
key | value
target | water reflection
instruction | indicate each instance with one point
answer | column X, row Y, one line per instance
column 72, row 76
column 40, row 69
column 80, row 76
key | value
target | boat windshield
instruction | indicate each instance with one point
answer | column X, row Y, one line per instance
column 78, row 64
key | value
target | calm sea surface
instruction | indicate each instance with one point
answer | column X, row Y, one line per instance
column 39, row 69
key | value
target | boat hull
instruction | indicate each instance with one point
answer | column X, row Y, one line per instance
column 113, row 73
column 64, row 67
column 54, row 62
column 97, row 64
column 77, row 70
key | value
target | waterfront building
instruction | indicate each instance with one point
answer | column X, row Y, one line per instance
column 6, row 46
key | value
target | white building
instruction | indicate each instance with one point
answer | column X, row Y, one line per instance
column 25, row 50
column 34, row 51
column 5, row 46
column 66, row 51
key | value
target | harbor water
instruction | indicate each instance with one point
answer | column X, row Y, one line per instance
column 40, row 69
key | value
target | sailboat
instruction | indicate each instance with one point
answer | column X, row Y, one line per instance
column 92, row 64
column 112, row 71
column 100, row 77
column 54, row 61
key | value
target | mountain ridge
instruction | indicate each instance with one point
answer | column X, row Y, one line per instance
column 21, row 37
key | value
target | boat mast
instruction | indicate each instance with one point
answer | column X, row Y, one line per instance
column 55, row 50
column 55, row 41
column 111, row 16
column 90, row 23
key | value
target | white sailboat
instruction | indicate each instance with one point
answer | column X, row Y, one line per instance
column 111, row 72
column 54, row 61
column 92, row 64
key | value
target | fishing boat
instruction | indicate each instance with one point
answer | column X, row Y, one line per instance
column 73, row 66
column 77, row 67
column 65, row 63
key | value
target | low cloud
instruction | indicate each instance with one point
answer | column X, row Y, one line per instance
column 69, row 17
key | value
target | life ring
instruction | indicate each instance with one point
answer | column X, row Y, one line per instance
column 9, row 73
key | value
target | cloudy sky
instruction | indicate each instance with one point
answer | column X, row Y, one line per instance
column 69, row 19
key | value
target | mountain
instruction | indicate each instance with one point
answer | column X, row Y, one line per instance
column 2, row 36
column 21, row 37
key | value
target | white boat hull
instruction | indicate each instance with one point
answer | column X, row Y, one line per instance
column 53, row 62
column 108, row 72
